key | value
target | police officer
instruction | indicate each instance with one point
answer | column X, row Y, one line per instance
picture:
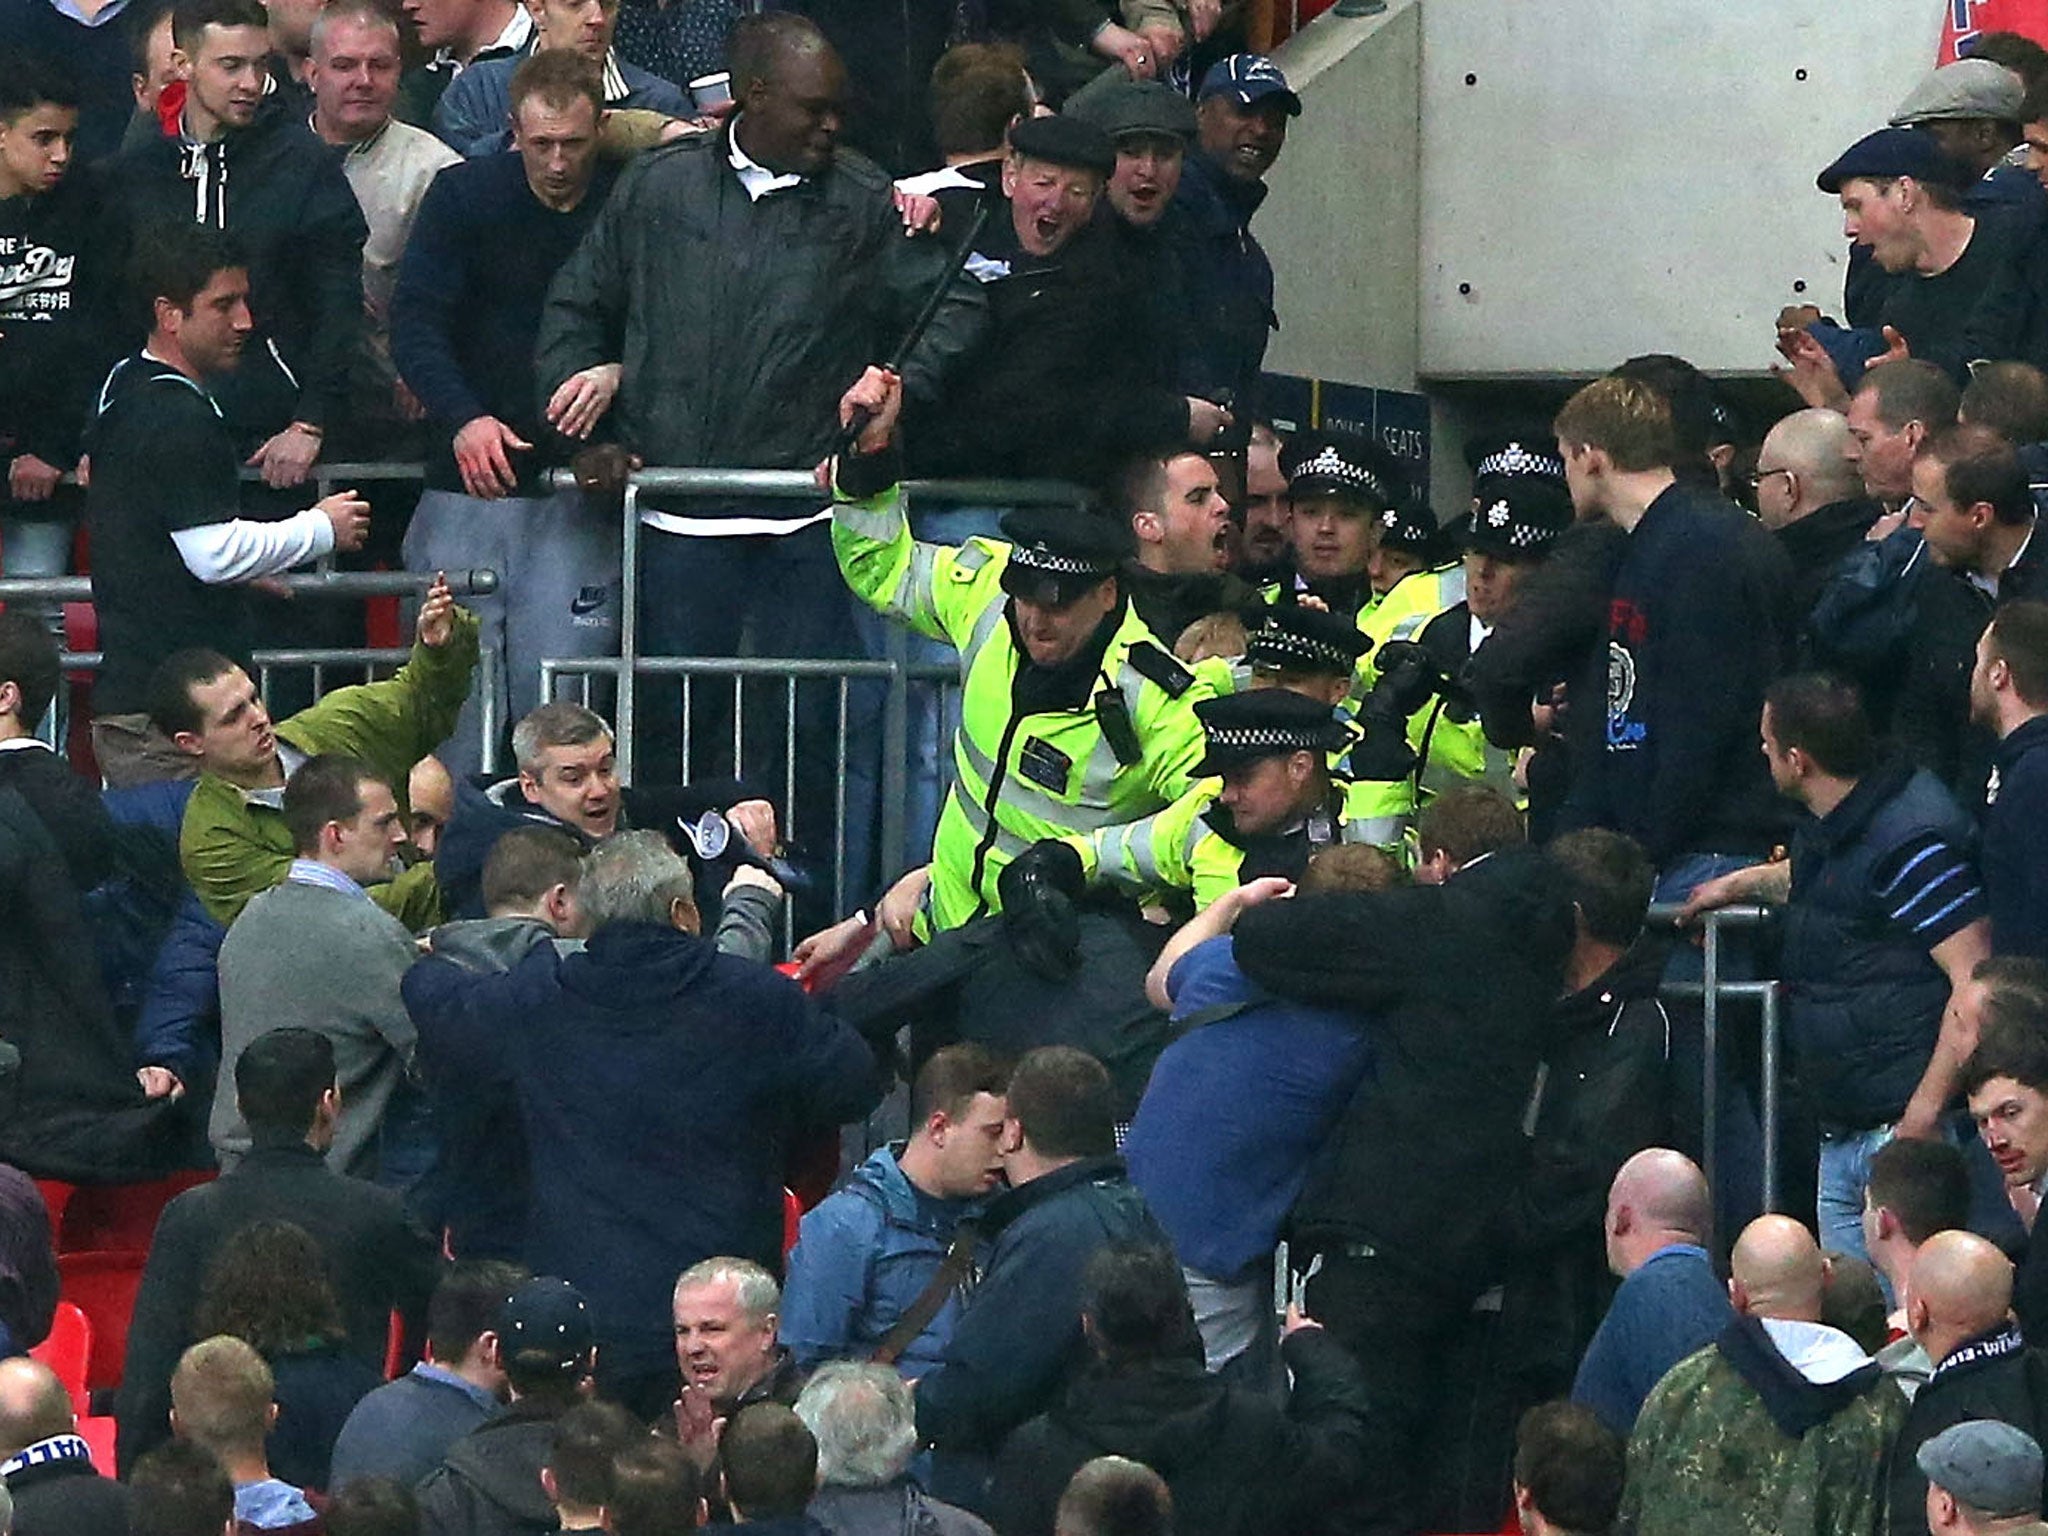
column 1413, row 580
column 1510, row 533
column 1268, row 801
column 1340, row 485
column 1305, row 651
column 1072, row 715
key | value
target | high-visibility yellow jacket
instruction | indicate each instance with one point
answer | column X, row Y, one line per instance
column 1185, row 848
column 1126, row 752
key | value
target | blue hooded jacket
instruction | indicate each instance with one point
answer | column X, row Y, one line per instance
column 864, row 1255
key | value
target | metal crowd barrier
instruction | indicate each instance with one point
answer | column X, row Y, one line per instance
column 1712, row 992
column 318, row 584
column 895, row 678
column 769, row 485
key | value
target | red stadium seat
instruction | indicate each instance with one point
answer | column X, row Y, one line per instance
column 102, row 1285
column 56, row 1196
column 98, row 1434
column 68, row 1352
column 121, row 1218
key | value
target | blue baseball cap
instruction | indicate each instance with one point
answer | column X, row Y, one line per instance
column 1891, row 152
column 1248, row 79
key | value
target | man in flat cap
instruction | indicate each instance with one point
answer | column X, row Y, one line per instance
column 1151, row 126
column 1060, row 385
column 1975, row 108
column 1983, row 1479
column 1954, row 294
column 1072, row 716
column 1341, row 484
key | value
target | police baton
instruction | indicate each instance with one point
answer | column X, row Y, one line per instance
column 954, row 267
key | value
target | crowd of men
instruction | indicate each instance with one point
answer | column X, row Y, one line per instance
column 1284, row 862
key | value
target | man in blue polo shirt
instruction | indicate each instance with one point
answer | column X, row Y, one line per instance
column 1670, row 1302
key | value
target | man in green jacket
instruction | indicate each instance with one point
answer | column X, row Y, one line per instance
column 234, row 842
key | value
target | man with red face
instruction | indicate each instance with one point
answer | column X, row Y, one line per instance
column 898, row 1229
column 1061, row 383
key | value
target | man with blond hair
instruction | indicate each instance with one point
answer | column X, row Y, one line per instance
column 223, row 1400
column 1697, row 614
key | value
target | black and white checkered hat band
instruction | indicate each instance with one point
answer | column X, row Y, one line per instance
column 1517, row 460
column 1256, row 738
column 1329, row 464
column 1272, row 645
column 1036, row 557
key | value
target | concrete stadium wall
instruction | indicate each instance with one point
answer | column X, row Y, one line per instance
column 1486, row 191
column 1496, row 189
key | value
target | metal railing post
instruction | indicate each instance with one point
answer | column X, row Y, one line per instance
column 892, row 851
column 489, row 727
column 1769, row 1050
column 629, row 631
column 1710, row 1042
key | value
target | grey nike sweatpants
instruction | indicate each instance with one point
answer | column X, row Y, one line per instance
column 557, row 597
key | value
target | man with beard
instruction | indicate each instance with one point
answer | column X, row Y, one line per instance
column 2009, row 694
column 1268, row 512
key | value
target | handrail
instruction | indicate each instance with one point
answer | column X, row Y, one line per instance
column 1711, row 991
column 799, row 485
column 334, row 584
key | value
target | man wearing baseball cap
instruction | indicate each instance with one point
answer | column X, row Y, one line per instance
column 1983, row 1479
column 1952, row 294
column 491, row 1479
column 1241, row 111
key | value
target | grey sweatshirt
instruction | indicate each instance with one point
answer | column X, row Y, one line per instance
column 308, row 956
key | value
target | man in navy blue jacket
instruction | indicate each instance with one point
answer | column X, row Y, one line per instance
column 2009, row 693
column 1228, row 282
column 489, row 237
column 1698, row 617
column 659, row 1083
column 1020, row 1335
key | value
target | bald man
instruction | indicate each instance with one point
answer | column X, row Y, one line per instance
column 1782, row 1424
column 1810, row 495
column 1670, row 1302
column 1959, row 1309
column 44, row 1465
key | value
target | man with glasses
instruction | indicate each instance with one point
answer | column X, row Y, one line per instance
column 1809, row 494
